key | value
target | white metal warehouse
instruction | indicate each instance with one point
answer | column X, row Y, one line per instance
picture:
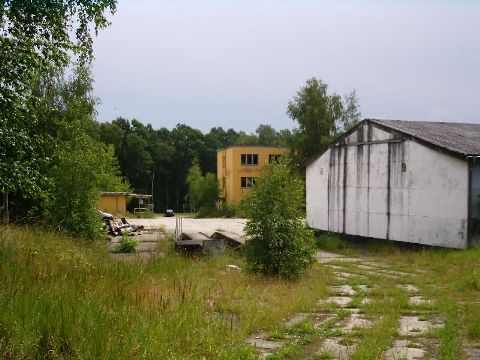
column 407, row 181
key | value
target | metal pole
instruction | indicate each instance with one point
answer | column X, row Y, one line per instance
column 152, row 204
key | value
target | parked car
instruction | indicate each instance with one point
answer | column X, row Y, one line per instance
column 169, row 213
column 105, row 215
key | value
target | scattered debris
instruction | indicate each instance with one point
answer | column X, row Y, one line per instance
column 120, row 227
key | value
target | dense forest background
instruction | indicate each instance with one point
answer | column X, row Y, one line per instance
column 159, row 159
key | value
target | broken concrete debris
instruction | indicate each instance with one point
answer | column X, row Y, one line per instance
column 121, row 227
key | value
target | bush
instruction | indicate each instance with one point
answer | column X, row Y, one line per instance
column 280, row 244
column 127, row 244
column 232, row 211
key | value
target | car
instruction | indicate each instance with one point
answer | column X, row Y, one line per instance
column 169, row 213
column 105, row 215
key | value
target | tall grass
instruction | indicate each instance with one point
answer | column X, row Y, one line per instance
column 66, row 298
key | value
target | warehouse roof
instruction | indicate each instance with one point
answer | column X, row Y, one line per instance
column 460, row 138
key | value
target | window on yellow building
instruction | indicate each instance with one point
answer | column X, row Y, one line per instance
column 274, row 158
column 249, row 159
column 248, row 182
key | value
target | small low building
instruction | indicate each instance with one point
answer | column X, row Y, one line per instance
column 408, row 181
column 113, row 202
column 116, row 202
column 239, row 166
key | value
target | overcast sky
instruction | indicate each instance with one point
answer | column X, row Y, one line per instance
column 237, row 64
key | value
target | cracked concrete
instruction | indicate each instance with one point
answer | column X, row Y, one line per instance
column 341, row 301
column 413, row 326
column 404, row 349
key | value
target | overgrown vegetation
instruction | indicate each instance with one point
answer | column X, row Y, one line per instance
column 51, row 164
column 127, row 244
column 320, row 116
column 280, row 244
column 64, row 298
column 202, row 189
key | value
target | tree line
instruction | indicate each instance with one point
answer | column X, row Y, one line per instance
column 160, row 159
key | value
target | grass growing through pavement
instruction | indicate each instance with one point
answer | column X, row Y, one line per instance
column 449, row 277
column 65, row 298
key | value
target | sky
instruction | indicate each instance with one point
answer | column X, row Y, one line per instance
column 237, row 64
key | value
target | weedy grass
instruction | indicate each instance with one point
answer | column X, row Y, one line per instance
column 62, row 297
column 448, row 277
column 67, row 298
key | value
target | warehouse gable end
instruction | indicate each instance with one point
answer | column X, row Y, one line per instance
column 399, row 180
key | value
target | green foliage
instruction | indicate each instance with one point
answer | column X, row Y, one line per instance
column 35, row 38
column 280, row 244
column 74, row 166
column 203, row 190
column 194, row 179
column 127, row 244
column 82, row 168
column 320, row 117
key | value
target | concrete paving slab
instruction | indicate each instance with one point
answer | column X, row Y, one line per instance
column 395, row 273
column 366, row 301
column 375, row 264
column 419, row 300
column 335, row 267
column 408, row 287
column 296, row 319
column 334, row 347
column 345, row 290
column 413, row 326
column 471, row 353
column 341, row 301
column 354, row 321
column 365, row 288
column 404, row 349
column 321, row 318
column 265, row 344
column 366, row 267
column 381, row 273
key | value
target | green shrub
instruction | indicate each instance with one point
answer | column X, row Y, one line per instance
column 232, row 211
column 280, row 243
column 127, row 244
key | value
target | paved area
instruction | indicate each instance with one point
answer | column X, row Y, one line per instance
column 206, row 226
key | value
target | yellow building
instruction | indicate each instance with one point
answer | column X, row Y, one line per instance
column 116, row 202
column 239, row 166
column 113, row 202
